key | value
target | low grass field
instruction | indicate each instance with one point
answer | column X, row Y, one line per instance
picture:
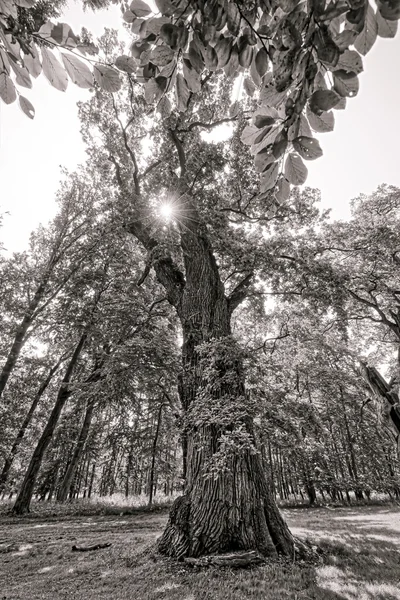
column 360, row 560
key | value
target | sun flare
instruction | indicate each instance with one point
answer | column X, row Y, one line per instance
column 166, row 210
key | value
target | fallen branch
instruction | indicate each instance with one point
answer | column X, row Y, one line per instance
column 90, row 548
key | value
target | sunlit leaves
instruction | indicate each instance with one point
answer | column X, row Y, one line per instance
column 26, row 107
column 126, row 63
column 78, row 71
column 7, row 89
column 386, row 28
column 323, row 100
column 368, row 36
column 269, row 177
column 32, row 62
column 321, row 123
column 139, row 8
column 182, row 93
column 107, row 78
column 53, row 71
column 307, row 147
column 295, row 170
column 351, row 62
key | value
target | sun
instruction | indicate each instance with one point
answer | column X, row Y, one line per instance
column 166, row 210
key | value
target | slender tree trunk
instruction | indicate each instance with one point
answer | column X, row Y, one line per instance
column 20, row 435
column 24, row 497
column 92, row 476
column 64, row 489
column 20, row 336
column 153, row 455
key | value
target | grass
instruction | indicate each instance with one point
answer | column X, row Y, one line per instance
column 117, row 504
column 361, row 560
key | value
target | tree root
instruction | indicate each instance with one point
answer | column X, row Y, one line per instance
column 234, row 560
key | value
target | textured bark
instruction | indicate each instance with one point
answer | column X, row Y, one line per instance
column 21, row 432
column 25, row 494
column 233, row 509
column 64, row 489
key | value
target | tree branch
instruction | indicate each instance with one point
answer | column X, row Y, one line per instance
column 180, row 150
column 239, row 293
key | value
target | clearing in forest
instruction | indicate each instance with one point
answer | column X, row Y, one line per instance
column 361, row 560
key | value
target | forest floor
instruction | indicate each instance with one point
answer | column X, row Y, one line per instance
column 361, row 560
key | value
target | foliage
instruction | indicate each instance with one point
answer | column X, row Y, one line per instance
column 297, row 61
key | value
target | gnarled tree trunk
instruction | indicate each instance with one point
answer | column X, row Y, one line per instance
column 228, row 502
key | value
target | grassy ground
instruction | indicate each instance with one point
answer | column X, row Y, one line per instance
column 361, row 560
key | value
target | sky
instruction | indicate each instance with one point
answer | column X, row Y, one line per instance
column 361, row 152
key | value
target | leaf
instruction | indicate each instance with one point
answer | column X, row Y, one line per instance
column 78, row 71
column 263, row 121
column 22, row 75
column 154, row 25
column 129, row 16
column 53, row 71
column 232, row 67
column 182, row 93
column 4, row 62
column 295, row 170
column 25, row 3
column 61, row 33
column 249, row 133
column 170, row 34
column 107, row 78
column 271, row 97
column 269, row 177
column 283, row 191
column 162, row 55
column 245, row 57
column 300, row 127
column 168, row 70
column 266, row 137
column 32, row 63
column 152, row 91
column 261, row 61
column 386, row 28
column 223, row 48
column 195, row 57
column 389, row 10
column 126, row 64
column 26, row 106
column 367, row 37
column 345, row 84
column 7, row 89
column 140, row 9
column 323, row 100
column 345, row 39
column 351, row 62
column 307, row 147
column 191, row 76
column 210, row 58
column 232, row 18
column 263, row 159
column 249, row 87
column 321, row 123
column 8, row 8
column 164, row 107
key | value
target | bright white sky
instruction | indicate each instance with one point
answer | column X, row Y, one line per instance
column 359, row 154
